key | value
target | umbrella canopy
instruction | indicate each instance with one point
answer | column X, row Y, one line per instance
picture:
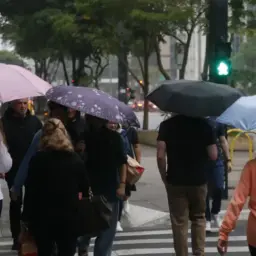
column 18, row 83
column 241, row 114
column 90, row 101
column 194, row 98
column 130, row 118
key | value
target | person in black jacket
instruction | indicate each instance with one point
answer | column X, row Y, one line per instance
column 19, row 128
column 75, row 127
column 56, row 176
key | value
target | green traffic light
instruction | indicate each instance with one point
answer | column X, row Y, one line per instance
column 223, row 69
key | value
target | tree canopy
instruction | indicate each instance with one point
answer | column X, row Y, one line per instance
column 244, row 66
column 79, row 35
column 12, row 58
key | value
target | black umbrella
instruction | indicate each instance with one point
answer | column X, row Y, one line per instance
column 194, row 98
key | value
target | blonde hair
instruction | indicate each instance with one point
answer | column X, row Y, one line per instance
column 55, row 136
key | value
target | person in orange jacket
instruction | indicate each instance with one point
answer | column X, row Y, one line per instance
column 244, row 189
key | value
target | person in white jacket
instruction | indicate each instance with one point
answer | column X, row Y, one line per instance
column 5, row 166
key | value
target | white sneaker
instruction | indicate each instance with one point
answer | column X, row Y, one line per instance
column 126, row 207
column 119, row 227
column 217, row 220
column 208, row 227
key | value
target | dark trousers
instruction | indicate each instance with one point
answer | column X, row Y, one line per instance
column 252, row 250
column 49, row 242
column 215, row 189
column 121, row 206
column 15, row 213
column 215, row 207
column 1, row 207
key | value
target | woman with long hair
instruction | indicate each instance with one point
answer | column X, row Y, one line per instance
column 56, row 176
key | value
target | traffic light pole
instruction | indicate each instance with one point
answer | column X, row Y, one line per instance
column 122, row 75
column 218, row 41
column 218, row 34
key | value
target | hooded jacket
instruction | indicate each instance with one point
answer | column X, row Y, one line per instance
column 19, row 133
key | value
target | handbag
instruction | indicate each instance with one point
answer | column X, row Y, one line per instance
column 28, row 245
column 94, row 215
column 134, row 171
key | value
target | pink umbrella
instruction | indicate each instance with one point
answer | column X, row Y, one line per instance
column 18, row 83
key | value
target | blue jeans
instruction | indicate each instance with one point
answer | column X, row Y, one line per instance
column 104, row 242
column 215, row 188
column 120, row 210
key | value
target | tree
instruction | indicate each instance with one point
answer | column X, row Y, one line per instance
column 150, row 22
column 139, row 26
column 244, row 64
column 182, row 30
column 57, row 37
column 9, row 57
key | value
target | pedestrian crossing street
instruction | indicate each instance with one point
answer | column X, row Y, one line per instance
column 157, row 242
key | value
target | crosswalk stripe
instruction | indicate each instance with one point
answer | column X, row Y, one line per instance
column 155, row 241
column 167, row 251
column 152, row 242
column 153, row 232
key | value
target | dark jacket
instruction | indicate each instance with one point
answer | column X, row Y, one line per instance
column 75, row 128
column 19, row 134
column 105, row 155
column 54, row 180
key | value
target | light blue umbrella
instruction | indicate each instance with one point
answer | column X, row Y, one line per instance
column 241, row 114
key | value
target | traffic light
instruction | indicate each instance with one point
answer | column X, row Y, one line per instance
column 221, row 63
column 223, row 68
column 130, row 93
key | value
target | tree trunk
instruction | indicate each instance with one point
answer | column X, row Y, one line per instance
column 206, row 60
column 62, row 60
column 185, row 57
column 146, row 84
column 159, row 61
column 74, row 76
column 44, row 69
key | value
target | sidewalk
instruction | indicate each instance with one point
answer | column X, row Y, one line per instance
column 148, row 205
column 150, row 190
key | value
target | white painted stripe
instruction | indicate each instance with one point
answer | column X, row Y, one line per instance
column 156, row 251
column 167, row 251
column 152, row 232
column 153, row 241
column 7, row 252
column 170, row 240
column 6, row 243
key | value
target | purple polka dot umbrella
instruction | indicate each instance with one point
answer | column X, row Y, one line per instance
column 93, row 102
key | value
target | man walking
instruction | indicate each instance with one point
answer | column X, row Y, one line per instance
column 188, row 143
column 216, row 174
column 19, row 128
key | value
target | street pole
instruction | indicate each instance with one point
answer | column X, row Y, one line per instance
column 122, row 74
column 218, row 36
column 124, row 35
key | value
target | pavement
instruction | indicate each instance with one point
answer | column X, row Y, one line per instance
column 147, row 228
column 155, row 118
